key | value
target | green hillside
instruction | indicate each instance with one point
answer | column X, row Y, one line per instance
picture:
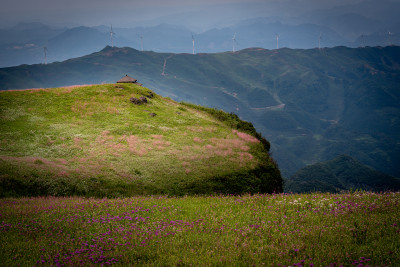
column 343, row 173
column 310, row 104
column 93, row 141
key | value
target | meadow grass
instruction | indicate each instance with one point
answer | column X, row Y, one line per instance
column 92, row 141
column 349, row 229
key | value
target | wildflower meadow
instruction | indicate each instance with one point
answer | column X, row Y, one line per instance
column 320, row 229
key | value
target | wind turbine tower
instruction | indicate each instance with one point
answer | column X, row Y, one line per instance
column 111, row 36
column 141, row 41
column 319, row 41
column 45, row 54
column 362, row 40
column 389, row 36
column 193, row 43
column 277, row 40
column 233, row 42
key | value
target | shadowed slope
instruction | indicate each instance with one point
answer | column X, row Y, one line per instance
column 341, row 173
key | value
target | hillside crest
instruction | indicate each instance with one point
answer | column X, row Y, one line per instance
column 93, row 140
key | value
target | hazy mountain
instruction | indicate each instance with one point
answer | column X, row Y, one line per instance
column 23, row 44
column 341, row 173
column 339, row 26
column 160, row 38
column 351, row 24
column 60, row 44
column 163, row 38
column 80, row 41
column 347, row 19
column 263, row 34
column 382, row 37
column 25, row 33
column 354, row 20
column 311, row 104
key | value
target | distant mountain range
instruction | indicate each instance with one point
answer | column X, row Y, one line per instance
column 310, row 104
column 343, row 173
column 60, row 44
column 25, row 43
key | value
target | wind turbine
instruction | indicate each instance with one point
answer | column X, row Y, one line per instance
column 111, row 36
column 233, row 42
column 45, row 54
column 362, row 40
column 319, row 41
column 277, row 40
column 389, row 34
column 141, row 41
column 193, row 42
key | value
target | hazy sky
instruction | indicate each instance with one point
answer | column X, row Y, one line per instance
column 128, row 12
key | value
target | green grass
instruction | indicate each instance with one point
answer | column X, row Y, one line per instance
column 353, row 229
column 92, row 141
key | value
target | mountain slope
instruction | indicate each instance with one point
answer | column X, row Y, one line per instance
column 311, row 104
column 341, row 173
column 92, row 140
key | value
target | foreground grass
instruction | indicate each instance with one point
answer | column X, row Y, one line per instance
column 361, row 229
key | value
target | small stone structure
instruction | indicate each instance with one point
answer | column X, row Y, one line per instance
column 128, row 79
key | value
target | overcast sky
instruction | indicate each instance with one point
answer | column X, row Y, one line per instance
column 125, row 13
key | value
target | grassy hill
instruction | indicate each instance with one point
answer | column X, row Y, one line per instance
column 93, row 141
column 311, row 104
column 343, row 173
